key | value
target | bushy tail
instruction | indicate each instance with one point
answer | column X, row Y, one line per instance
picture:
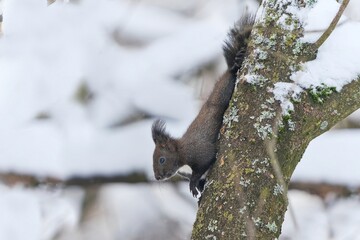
column 236, row 44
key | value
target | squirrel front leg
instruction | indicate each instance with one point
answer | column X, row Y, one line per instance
column 194, row 183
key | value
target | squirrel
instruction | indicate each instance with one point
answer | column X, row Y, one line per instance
column 197, row 148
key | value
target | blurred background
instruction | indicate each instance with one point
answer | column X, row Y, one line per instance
column 81, row 82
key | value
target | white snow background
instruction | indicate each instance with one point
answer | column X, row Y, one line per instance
column 135, row 58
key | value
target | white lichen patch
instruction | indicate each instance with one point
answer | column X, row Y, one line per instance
column 260, row 170
column 272, row 227
column 243, row 209
column 263, row 130
column 227, row 134
column 299, row 47
column 266, row 115
column 254, row 162
column 258, row 38
column 262, row 126
column 324, row 125
column 251, row 204
column 264, row 106
column 255, row 79
column 260, row 166
column 335, row 113
column 291, row 125
column 211, row 237
column 213, row 225
column 260, row 54
column 310, row 3
column 278, row 189
column 266, row 161
column 244, row 182
column 231, row 116
column 259, row 66
column 270, row 100
column 257, row 221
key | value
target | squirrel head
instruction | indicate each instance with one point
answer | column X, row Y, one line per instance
column 166, row 156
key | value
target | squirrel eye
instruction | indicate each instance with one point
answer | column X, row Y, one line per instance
column 162, row 160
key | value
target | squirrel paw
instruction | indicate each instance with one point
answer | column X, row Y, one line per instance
column 201, row 185
column 193, row 190
column 238, row 61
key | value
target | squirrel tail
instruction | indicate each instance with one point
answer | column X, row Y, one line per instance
column 236, row 44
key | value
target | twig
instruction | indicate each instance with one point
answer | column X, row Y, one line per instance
column 270, row 148
column 332, row 26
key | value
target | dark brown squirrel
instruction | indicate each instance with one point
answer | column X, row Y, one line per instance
column 197, row 148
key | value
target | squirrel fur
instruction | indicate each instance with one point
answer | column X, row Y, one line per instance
column 197, row 148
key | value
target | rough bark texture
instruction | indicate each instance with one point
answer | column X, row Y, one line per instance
column 259, row 147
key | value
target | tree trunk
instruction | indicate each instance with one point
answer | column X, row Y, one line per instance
column 260, row 145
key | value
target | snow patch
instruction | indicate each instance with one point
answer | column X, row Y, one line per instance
column 286, row 93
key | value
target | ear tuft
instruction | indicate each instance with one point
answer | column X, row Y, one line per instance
column 158, row 132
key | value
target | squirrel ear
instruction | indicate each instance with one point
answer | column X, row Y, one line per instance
column 158, row 132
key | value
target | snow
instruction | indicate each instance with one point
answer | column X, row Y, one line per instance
column 168, row 213
column 284, row 91
column 158, row 205
column 319, row 219
column 336, row 63
column 343, row 214
column 353, row 10
column 35, row 214
column 84, row 56
column 135, row 58
column 43, row 149
column 336, row 153
column 310, row 215
column 44, row 75
column 143, row 211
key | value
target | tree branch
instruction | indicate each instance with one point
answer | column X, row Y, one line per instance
column 323, row 189
column 332, row 26
column 28, row 180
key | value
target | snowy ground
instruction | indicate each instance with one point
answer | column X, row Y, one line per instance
column 80, row 84
column 154, row 211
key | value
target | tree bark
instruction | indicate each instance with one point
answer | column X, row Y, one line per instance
column 246, row 194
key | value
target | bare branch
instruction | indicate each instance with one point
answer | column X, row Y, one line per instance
column 323, row 189
column 270, row 148
column 332, row 26
column 28, row 180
